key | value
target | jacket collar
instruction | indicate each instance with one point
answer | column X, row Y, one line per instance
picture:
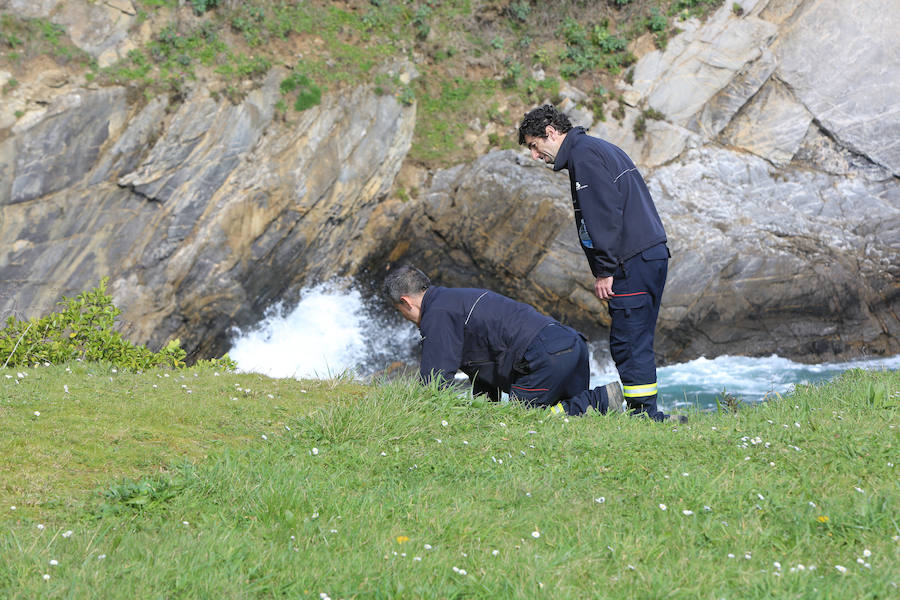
column 429, row 295
column 565, row 149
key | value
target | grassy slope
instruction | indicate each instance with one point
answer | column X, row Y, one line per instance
column 215, row 510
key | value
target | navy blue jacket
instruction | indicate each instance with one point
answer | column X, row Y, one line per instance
column 614, row 213
column 478, row 332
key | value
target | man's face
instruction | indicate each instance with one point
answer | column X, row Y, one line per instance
column 410, row 310
column 545, row 148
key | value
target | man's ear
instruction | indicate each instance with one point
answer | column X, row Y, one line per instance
column 551, row 131
column 404, row 301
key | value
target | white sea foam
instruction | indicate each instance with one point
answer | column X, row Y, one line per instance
column 333, row 331
column 329, row 332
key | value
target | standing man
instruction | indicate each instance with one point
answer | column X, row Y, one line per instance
column 501, row 344
column 621, row 235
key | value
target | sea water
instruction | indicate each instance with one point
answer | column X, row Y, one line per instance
column 334, row 331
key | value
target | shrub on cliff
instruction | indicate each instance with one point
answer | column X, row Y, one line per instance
column 82, row 330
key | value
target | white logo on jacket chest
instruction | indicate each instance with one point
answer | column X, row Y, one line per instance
column 579, row 187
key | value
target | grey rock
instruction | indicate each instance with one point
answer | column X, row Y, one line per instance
column 802, row 264
column 251, row 209
column 773, row 126
column 62, row 148
column 842, row 61
column 776, row 262
column 776, row 180
column 698, row 66
column 721, row 108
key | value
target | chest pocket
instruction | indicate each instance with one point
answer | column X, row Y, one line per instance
column 657, row 252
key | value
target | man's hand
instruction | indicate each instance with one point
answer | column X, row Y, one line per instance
column 603, row 287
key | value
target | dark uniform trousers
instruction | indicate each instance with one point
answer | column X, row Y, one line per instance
column 555, row 372
column 637, row 287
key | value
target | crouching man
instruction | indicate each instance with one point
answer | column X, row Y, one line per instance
column 502, row 345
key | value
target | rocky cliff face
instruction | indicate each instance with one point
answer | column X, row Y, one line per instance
column 201, row 216
column 776, row 170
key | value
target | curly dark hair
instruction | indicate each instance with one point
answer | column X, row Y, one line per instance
column 535, row 122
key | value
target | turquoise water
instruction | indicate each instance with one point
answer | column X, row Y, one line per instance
column 698, row 382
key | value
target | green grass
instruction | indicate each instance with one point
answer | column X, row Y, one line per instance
column 396, row 490
column 22, row 38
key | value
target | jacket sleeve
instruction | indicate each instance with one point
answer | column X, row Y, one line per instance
column 442, row 344
column 602, row 209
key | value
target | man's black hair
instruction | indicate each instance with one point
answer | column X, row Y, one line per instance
column 405, row 281
column 535, row 122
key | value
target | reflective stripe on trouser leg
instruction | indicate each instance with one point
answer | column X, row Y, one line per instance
column 639, row 391
column 633, row 315
column 558, row 368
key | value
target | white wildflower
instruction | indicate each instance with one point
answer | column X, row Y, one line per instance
column 535, row 534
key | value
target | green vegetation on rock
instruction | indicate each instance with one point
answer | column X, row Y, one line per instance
column 525, row 50
column 83, row 329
